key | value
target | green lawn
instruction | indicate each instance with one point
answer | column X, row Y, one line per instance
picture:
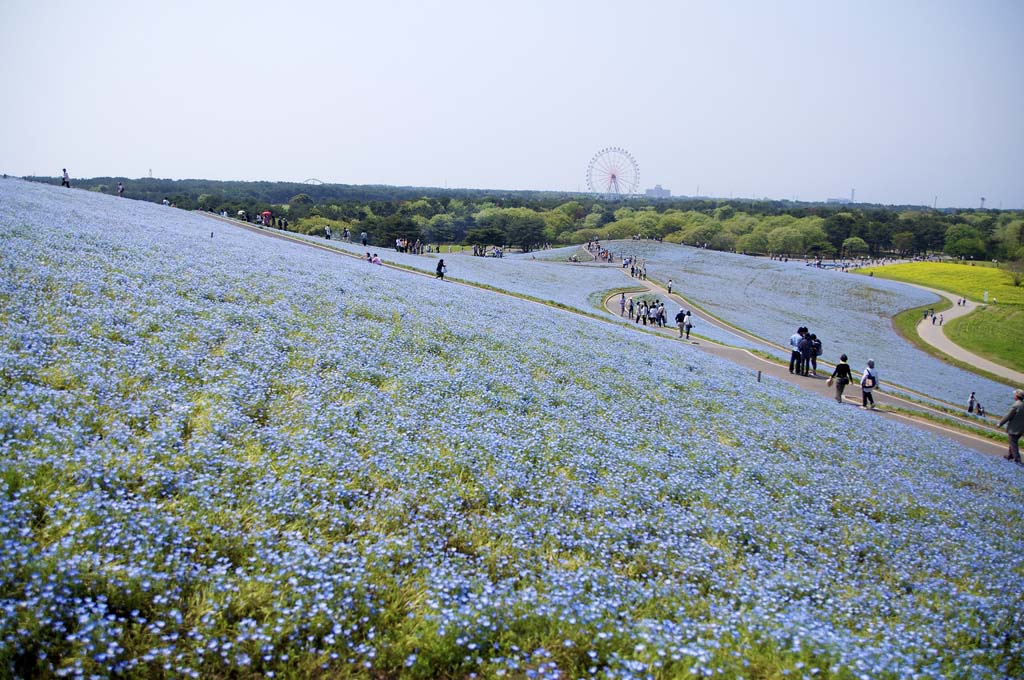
column 994, row 332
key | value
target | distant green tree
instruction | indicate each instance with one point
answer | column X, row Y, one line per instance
column 854, row 246
column 485, row 236
column 786, row 241
column 903, row 243
column 967, row 248
column 525, row 231
column 440, row 229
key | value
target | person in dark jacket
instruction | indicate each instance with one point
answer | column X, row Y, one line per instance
column 441, row 269
column 815, row 353
column 841, row 377
column 806, row 347
column 1014, row 421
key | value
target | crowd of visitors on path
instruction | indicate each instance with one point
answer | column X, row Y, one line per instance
column 647, row 313
column 599, row 253
column 637, row 267
column 405, row 245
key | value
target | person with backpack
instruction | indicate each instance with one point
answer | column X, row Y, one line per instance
column 806, row 347
column 868, row 382
column 681, row 321
column 841, row 377
column 815, row 353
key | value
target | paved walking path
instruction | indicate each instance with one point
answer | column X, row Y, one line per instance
column 734, row 354
column 934, row 335
column 815, row 384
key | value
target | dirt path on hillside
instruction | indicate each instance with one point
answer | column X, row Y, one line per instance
column 760, row 368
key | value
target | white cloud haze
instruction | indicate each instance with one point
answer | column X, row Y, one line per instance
column 903, row 101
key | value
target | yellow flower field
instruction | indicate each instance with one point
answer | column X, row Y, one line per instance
column 992, row 332
column 960, row 279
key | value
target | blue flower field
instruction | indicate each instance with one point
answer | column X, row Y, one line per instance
column 850, row 313
column 225, row 455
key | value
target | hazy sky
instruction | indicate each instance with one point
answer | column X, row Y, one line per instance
column 902, row 100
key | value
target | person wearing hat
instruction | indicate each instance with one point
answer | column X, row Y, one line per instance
column 1014, row 421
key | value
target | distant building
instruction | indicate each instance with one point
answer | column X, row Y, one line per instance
column 838, row 201
column 658, row 192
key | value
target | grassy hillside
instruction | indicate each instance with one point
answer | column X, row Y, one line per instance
column 223, row 455
column 994, row 332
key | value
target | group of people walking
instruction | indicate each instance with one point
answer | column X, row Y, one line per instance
column 647, row 313
column 843, row 376
column 805, row 348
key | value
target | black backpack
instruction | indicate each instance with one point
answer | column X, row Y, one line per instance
column 816, row 348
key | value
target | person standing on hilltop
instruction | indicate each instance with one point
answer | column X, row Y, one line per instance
column 65, row 179
column 1014, row 421
column 120, row 190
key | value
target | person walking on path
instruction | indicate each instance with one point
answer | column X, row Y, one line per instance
column 670, row 286
column 688, row 323
column 841, row 377
column 1014, row 422
column 65, row 179
column 441, row 269
column 868, row 382
column 680, row 320
column 971, row 403
column 622, row 305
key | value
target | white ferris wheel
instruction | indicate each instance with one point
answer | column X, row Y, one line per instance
column 613, row 172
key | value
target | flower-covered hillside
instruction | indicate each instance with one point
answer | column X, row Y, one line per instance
column 231, row 456
column 851, row 313
column 577, row 286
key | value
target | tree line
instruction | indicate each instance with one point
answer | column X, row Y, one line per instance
column 527, row 219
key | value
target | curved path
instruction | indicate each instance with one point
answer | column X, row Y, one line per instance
column 734, row 354
column 815, row 384
column 934, row 335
